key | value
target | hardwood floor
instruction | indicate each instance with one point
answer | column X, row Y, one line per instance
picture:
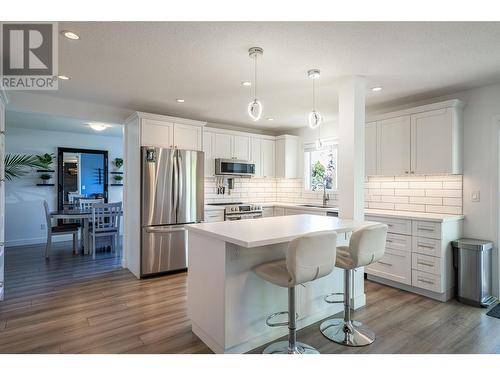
column 72, row 304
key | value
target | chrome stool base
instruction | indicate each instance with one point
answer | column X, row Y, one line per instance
column 282, row 347
column 351, row 333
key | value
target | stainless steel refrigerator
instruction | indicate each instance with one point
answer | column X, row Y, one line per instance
column 172, row 193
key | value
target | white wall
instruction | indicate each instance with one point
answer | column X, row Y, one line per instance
column 23, row 200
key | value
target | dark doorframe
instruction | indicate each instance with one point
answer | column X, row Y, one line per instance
column 60, row 171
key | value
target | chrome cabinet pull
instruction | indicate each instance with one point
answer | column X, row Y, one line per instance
column 385, row 264
column 425, row 281
column 425, row 229
column 426, row 246
column 425, row 264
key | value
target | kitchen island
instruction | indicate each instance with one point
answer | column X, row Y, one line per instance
column 228, row 303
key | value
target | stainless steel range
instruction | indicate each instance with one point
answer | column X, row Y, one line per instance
column 240, row 211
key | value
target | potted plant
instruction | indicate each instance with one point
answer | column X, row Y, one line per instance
column 45, row 161
column 45, row 177
column 118, row 162
column 17, row 165
column 118, row 179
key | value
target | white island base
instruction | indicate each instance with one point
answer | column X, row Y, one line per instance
column 228, row 303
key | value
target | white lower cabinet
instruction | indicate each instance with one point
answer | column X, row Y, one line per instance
column 267, row 211
column 418, row 256
column 279, row 211
column 214, row 216
column 298, row 211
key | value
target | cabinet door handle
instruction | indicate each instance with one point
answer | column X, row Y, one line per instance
column 426, row 246
column 389, row 240
column 425, row 281
column 385, row 264
column 412, row 172
column 406, row 172
column 425, row 264
column 426, row 229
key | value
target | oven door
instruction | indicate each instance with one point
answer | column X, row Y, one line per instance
column 234, row 167
column 239, row 216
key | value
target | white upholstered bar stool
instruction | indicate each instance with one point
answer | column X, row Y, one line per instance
column 308, row 258
column 366, row 246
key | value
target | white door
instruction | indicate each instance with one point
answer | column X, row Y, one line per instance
column 371, row 149
column 188, row 137
column 223, row 146
column 2, row 197
column 256, row 155
column 268, row 158
column 208, row 148
column 393, row 146
column 431, row 142
column 241, row 147
column 157, row 133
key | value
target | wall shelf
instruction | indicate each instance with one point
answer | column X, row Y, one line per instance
column 116, row 184
column 115, row 172
column 45, row 184
column 46, row 170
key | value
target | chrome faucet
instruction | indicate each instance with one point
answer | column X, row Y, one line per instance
column 326, row 196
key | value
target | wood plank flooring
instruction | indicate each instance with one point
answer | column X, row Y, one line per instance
column 72, row 304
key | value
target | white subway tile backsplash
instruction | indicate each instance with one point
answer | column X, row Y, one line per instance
column 452, row 202
column 426, row 185
column 426, row 200
column 410, row 207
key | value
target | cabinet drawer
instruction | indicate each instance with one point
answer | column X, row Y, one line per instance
column 428, row 229
column 426, row 246
column 427, row 281
column 398, row 226
column 398, row 242
column 427, row 264
column 395, row 265
column 213, row 216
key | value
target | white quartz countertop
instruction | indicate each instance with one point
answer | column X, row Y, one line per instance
column 272, row 230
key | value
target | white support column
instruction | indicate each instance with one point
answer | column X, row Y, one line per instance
column 351, row 156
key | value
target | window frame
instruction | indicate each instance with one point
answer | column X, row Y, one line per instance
column 311, row 147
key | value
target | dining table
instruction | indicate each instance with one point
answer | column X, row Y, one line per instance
column 75, row 213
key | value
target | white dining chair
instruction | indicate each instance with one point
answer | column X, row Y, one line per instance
column 106, row 223
column 58, row 230
column 86, row 203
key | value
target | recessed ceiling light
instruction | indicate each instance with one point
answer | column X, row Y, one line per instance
column 70, row 35
column 180, row 100
column 270, row 119
column 376, row 88
column 246, row 83
column 98, row 126
column 64, row 78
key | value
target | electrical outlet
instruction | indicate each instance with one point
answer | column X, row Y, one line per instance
column 475, row 196
column 42, row 227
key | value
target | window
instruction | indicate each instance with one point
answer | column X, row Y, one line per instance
column 320, row 167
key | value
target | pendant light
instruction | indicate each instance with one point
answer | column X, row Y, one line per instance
column 315, row 118
column 255, row 106
column 319, row 143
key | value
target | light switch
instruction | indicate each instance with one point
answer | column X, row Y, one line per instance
column 475, row 196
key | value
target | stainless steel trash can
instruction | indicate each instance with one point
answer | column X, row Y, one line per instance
column 472, row 261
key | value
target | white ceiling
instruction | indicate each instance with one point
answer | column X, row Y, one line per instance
column 43, row 121
column 146, row 66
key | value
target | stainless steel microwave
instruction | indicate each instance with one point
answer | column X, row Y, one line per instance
column 234, row 167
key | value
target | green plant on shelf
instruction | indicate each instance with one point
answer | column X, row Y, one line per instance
column 45, row 161
column 118, row 163
column 118, row 179
column 17, row 165
column 45, row 177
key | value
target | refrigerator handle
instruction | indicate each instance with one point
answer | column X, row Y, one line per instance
column 180, row 192
column 175, row 184
column 165, row 230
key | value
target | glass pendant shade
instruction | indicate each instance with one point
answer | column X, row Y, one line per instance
column 319, row 144
column 314, row 119
column 255, row 110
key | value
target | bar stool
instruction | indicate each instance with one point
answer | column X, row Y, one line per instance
column 308, row 258
column 366, row 246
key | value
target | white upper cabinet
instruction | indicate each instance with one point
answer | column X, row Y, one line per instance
column 421, row 140
column 371, row 149
column 256, row 155
column 393, row 144
column 436, row 142
column 223, row 146
column 188, row 137
column 287, row 149
column 157, row 133
column 208, row 149
column 241, row 147
column 170, row 132
column 268, row 157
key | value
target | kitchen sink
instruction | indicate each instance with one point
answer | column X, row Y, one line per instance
column 318, row 206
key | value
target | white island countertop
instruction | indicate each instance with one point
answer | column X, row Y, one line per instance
column 272, row 230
